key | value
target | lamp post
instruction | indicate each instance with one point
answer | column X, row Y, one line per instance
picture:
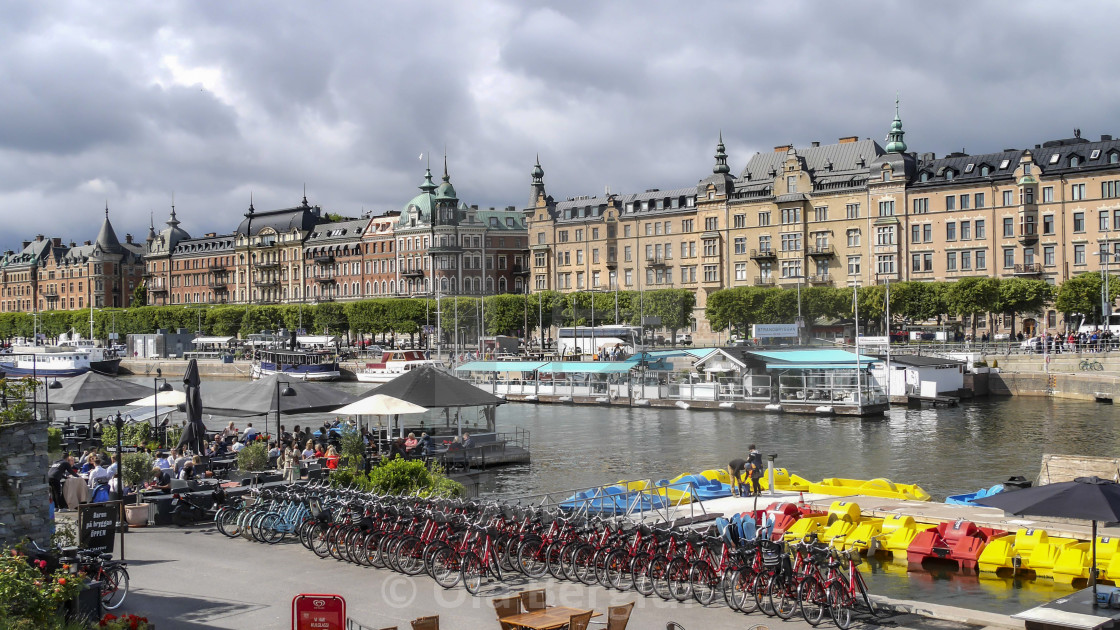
column 287, row 391
column 165, row 387
column 118, row 422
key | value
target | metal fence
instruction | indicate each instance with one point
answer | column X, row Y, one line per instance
column 642, row 500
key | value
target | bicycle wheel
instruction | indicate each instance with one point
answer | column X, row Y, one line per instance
column 761, row 589
column 639, row 575
column 658, row 573
column 812, row 599
column 679, row 585
column 114, row 587
column 568, row 571
column 494, row 566
column 704, row 581
column 409, row 555
column 600, row 564
column 840, row 605
column 745, row 587
column 728, row 586
column 530, row 559
column 552, row 553
column 320, row 539
column 618, row 570
column 445, row 567
column 583, row 564
column 782, row 601
column 862, row 587
column 470, row 570
column 429, row 553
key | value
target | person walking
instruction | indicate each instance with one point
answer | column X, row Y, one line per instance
column 754, row 464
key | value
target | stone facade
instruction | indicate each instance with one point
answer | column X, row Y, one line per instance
column 24, row 494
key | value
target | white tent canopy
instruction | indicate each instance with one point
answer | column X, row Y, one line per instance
column 173, row 398
column 213, row 340
column 316, row 340
column 379, row 405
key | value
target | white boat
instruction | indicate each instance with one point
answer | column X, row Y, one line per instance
column 392, row 364
column 299, row 364
column 58, row 361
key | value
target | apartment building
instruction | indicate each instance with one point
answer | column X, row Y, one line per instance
column 334, row 261
column 49, row 275
column 850, row 213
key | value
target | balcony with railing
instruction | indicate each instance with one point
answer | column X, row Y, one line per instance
column 324, row 260
column 413, row 273
column 821, row 250
column 763, row 253
column 612, row 262
column 1028, row 269
column 158, row 285
column 218, row 284
column 656, row 261
column 326, row 279
column 764, row 281
column 820, row 278
column 267, row 281
column 1028, row 227
column 519, row 270
column 266, row 264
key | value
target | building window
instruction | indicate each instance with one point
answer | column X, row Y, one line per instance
column 1008, row 258
column 791, row 215
column 951, row 261
column 791, row 242
column 711, row 224
column 764, row 243
column 950, row 203
column 628, row 277
column 1078, row 221
column 964, row 202
column 951, row 231
column 1102, row 221
column 852, row 210
column 884, row 235
column 1047, row 194
column 686, row 226
column 1048, row 255
column 966, row 260
column 921, row 206
column 820, row 213
column 1008, row 198
column 981, row 259
column 981, row 232
column 884, row 264
column 966, row 230
column 978, row 198
column 764, row 218
column 1008, row 227
column 740, row 271
column 791, row 269
column 711, row 247
column 1047, row 224
column 886, row 208
column 562, row 236
column 791, row 183
column 711, row 273
column 626, row 230
column 1079, row 254
column 853, row 265
column 853, row 238
column 927, row 233
column 740, row 244
column 915, row 233
column 740, row 220
column 657, row 228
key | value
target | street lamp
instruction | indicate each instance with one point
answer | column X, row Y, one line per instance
column 47, row 394
column 166, row 387
column 1106, row 303
column 287, row 391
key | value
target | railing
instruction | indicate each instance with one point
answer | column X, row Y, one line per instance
column 1028, row 268
column 655, row 261
column 821, row 250
column 763, row 253
column 840, row 386
column 644, row 501
column 764, row 281
column 655, row 385
column 820, row 278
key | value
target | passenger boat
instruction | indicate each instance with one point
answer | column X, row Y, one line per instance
column 304, row 365
column 392, row 364
column 59, row 362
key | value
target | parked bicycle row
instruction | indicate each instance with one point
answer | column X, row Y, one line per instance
column 456, row 541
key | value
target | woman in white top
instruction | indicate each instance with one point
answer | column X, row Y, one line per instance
column 229, row 430
column 309, row 450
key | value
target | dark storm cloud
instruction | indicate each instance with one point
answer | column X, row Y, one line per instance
column 219, row 100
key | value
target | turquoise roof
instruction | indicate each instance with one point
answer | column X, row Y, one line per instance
column 501, row 366
column 815, row 357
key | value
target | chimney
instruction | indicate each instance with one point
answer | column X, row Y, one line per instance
column 88, row 243
column 211, row 234
column 39, row 237
column 128, row 238
column 73, row 244
column 849, row 139
column 511, row 208
column 1105, row 137
column 25, row 244
column 783, row 148
column 56, row 241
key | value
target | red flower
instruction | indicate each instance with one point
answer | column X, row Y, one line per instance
column 62, row 581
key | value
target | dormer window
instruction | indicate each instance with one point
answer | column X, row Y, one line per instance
column 923, row 177
column 985, row 170
column 1095, row 154
column 968, row 168
column 1054, row 158
column 949, row 174
column 1074, row 161
column 1114, row 157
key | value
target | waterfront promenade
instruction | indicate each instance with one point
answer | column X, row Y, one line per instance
column 195, row 578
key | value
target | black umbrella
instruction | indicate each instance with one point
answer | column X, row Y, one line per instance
column 92, row 391
column 194, row 434
column 266, row 395
column 1087, row 498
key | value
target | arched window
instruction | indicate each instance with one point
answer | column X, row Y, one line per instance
column 367, row 287
column 502, row 284
column 489, row 284
column 392, row 286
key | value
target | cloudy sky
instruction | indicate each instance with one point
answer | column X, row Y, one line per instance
column 131, row 102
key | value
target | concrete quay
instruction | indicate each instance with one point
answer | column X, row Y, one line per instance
column 195, row 578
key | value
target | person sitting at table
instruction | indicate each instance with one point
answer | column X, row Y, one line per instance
column 411, row 443
column 237, row 446
column 425, row 445
column 298, row 436
column 187, row 472
column 467, row 441
column 163, row 460
column 250, row 433
column 273, row 449
column 229, row 430
column 332, row 458
column 160, row 480
column 456, row 444
column 89, row 463
column 320, row 451
column 309, row 450
column 101, row 474
column 219, row 448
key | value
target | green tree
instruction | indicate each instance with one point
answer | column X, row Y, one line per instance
column 973, row 297
column 506, row 313
column 330, row 318
column 735, row 309
column 140, row 295
column 225, row 320
column 672, row 306
column 1082, row 294
column 1023, row 295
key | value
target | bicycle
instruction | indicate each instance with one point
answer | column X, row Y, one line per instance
column 112, row 575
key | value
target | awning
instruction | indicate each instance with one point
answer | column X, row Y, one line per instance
column 316, row 340
column 816, row 366
column 500, row 366
column 213, row 340
column 589, row 367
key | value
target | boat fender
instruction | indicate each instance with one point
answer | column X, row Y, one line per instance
column 773, row 407
column 727, row 405
column 603, row 400
column 682, row 404
column 564, row 399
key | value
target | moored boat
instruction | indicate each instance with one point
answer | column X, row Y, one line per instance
column 299, row 364
column 58, row 362
column 392, row 364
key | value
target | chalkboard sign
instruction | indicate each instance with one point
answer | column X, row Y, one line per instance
column 97, row 522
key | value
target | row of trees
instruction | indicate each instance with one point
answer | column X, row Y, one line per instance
column 914, row 301
column 670, row 309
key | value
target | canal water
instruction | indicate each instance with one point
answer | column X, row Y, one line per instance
column 946, row 451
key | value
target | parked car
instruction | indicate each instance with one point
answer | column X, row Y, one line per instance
column 685, row 340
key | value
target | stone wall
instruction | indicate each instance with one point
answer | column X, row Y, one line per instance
column 24, row 494
column 1076, row 386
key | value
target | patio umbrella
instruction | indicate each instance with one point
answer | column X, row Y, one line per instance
column 380, row 405
column 170, row 400
column 194, row 434
column 1087, row 498
column 92, row 390
column 278, row 394
column 430, row 387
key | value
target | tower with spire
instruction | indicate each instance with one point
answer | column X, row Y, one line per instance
column 446, row 201
column 895, row 143
column 721, row 182
column 537, row 195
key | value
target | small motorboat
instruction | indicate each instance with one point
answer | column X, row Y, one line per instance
column 969, row 497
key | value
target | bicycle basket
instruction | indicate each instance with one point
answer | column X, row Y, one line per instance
column 315, row 506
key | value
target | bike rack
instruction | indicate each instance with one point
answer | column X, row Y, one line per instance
column 640, row 505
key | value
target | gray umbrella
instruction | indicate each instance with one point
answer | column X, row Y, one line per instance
column 1087, row 498
column 430, row 387
column 194, row 434
column 277, row 393
column 92, row 391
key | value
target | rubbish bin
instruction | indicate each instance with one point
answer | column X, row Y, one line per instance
column 227, row 358
column 1018, row 482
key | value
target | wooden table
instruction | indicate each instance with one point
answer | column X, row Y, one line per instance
column 547, row 619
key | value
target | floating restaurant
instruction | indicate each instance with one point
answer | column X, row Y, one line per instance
column 815, row 382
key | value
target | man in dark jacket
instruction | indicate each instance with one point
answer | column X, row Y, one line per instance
column 60, row 471
column 754, row 466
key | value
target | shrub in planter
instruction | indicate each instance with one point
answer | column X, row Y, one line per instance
column 253, row 457
column 135, row 468
column 30, row 595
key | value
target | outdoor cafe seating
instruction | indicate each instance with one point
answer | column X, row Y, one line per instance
column 529, row 609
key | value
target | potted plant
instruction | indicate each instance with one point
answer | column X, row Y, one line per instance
column 135, row 468
column 252, row 458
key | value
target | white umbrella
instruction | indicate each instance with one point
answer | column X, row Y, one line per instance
column 173, row 398
column 380, row 405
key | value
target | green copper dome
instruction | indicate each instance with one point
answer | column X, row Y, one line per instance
column 895, row 143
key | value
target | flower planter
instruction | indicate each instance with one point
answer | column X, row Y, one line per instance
column 137, row 515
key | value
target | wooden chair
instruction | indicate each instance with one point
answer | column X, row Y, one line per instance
column 619, row 616
column 672, row 625
column 533, row 600
column 580, row 621
column 507, row 607
column 426, row 623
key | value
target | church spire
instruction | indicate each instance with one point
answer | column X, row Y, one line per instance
column 895, row 143
column 721, row 157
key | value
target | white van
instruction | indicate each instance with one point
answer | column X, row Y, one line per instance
column 1088, row 327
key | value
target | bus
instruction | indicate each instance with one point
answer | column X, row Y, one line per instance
column 586, row 340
